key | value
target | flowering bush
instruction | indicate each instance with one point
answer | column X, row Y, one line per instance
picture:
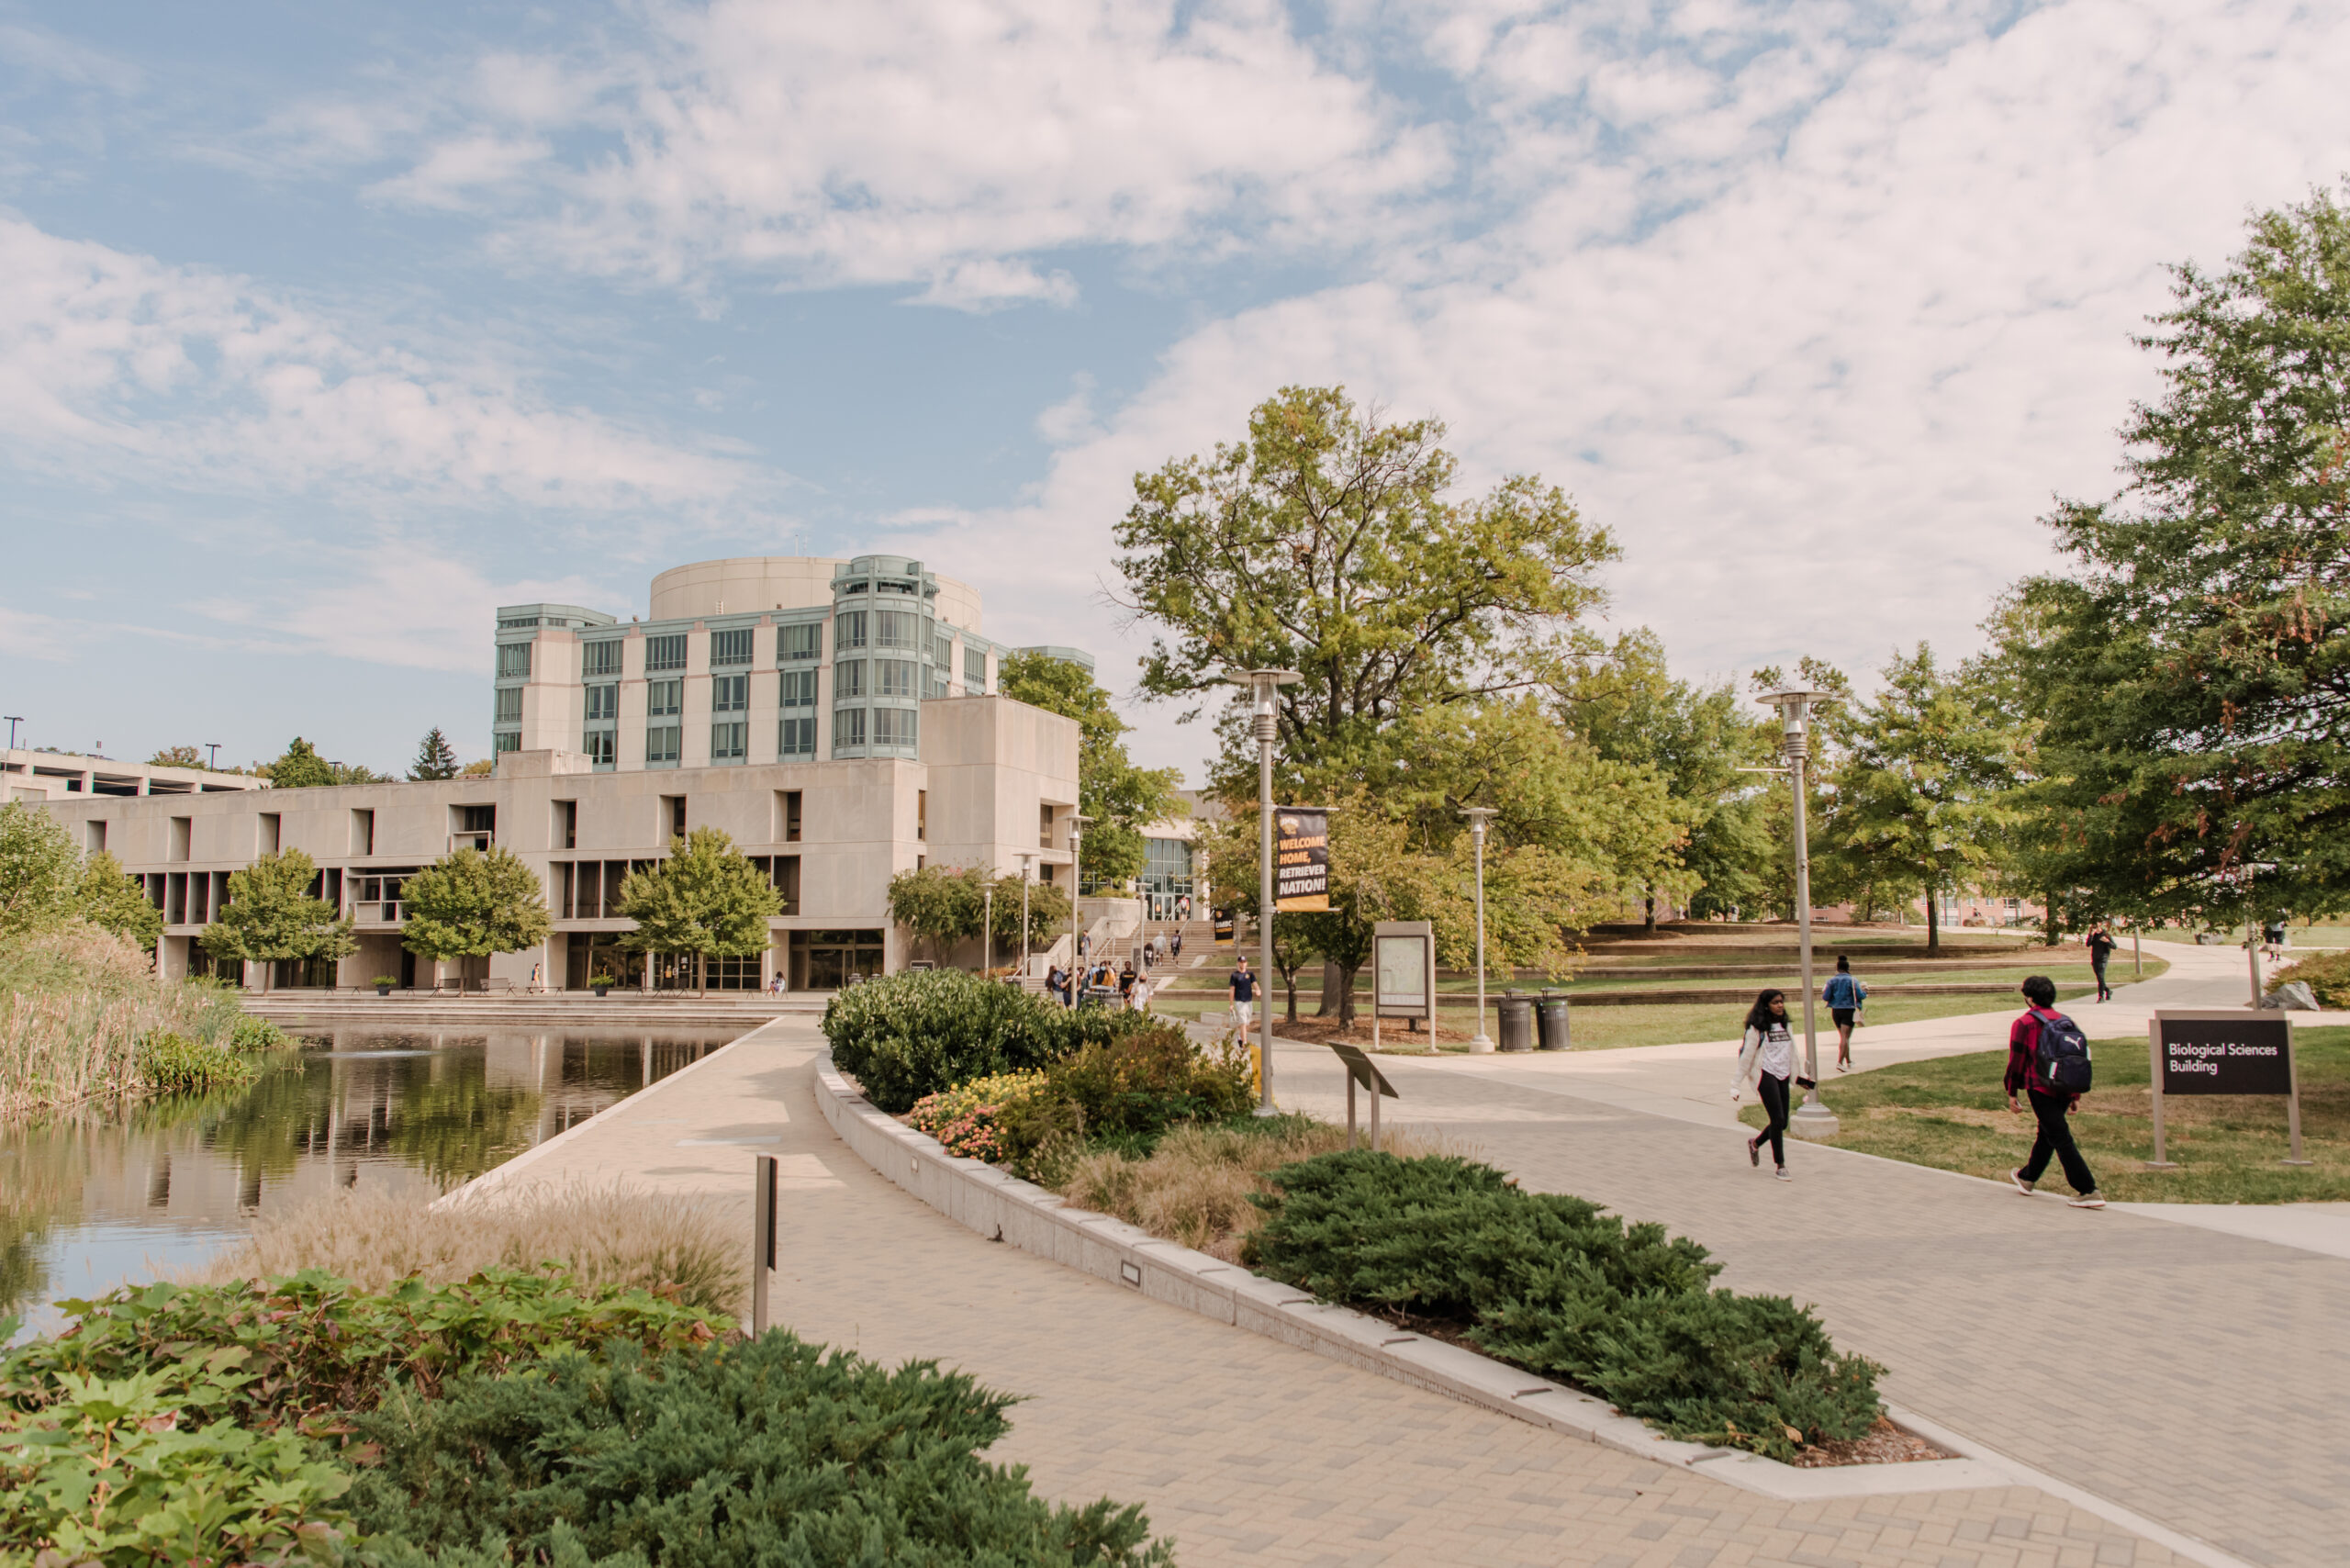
column 969, row 1118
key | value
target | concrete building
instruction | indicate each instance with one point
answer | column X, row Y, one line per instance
column 60, row 775
column 954, row 777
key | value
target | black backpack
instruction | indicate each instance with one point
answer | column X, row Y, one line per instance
column 2062, row 1055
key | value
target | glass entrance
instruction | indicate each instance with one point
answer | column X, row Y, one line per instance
column 1166, row 876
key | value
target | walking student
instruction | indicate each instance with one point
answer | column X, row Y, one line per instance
column 1127, row 985
column 2099, row 942
column 1845, row 997
column 1767, row 1055
column 2045, row 1053
column 1244, row 993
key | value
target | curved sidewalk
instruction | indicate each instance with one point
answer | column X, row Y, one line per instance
column 1244, row 1449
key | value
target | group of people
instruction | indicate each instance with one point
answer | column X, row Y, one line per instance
column 2047, row 1054
column 1098, row 977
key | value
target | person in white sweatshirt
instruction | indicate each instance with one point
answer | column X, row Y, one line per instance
column 1768, row 1055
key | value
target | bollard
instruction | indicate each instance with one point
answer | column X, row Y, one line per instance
column 763, row 1184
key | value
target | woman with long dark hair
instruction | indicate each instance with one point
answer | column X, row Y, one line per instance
column 1767, row 1055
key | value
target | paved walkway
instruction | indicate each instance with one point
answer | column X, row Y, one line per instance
column 2195, row 1376
column 1245, row 1450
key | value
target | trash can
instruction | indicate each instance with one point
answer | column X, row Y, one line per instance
column 1518, row 1021
column 1550, row 1018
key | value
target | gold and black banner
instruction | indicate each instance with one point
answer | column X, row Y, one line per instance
column 1301, row 859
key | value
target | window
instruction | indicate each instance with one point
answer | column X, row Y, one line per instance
column 267, row 841
column 941, row 651
column 820, row 960
column 797, row 737
column 794, row 643
column 673, row 809
column 938, row 683
column 786, row 877
column 848, row 729
column 922, row 814
column 509, row 705
column 975, row 669
column 894, row 726
column 667, row 652
column 664, row 699
column 1045, row 828
column 732, row 647
column 852, row 631
column 513, row 659
column 516, row 623
column 505, row 740
column 661, row 743
column 849, row 681
column 895, row 627
column 603, row 704
column 183, row 829
column 893, row 677
column 728, row 740
column 786, row 808
column 729, row 693
column 603, row 747
column 566, row 825
column 94, row 837
column 477, row 819
column 799, row 688
column 362, row 833
column 600, row 658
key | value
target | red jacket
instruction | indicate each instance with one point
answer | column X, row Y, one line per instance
column 2023, row 1058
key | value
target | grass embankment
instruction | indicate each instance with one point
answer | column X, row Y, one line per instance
column 1951, row 1114
column 82, row 1016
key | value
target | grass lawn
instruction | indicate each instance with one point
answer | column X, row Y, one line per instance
column 1951, row 1113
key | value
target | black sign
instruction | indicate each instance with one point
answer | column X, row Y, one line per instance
column 2240, row 1055
column 1301, row 859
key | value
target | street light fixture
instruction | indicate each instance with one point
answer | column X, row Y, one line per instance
column 1795, row 705
column 1026, row 859
column 13, row 719
column 1265, row 725
column 1479, row 816
column 986, row 931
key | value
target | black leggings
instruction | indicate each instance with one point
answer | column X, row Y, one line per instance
column 1773, row 1091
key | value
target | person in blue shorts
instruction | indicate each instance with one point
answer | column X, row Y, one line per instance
column 1845, row 997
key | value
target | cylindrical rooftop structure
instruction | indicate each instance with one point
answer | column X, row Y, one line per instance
column 746, row 584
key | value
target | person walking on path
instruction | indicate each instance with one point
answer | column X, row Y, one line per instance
column 1845, row 997
column 2099, row 942
column 1767, row 1055
column 2026, row 1070
column 1244, row 992
column 1183, row 906
column 1127, row 985
column 1175, row 945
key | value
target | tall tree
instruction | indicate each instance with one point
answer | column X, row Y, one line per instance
column 471, row 903
column 435, row 758
column 39, row 872
column 272, row 916
column 109, row 897
column 2192, row 673
column 1121, row 798
column 706, row 899
column 300, row 768
column 176, row 757
column 1329, row 540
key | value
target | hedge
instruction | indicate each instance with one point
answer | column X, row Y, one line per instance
column 1552, row 1283
column 904, row 1036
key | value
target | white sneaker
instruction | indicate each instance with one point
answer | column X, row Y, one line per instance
column 2021, row 1185
column 1784, row 1177
column 2087, row 1201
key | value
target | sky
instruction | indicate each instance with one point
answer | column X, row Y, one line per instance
column 325, row 330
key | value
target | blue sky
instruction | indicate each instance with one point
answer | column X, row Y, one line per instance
column 326, row 329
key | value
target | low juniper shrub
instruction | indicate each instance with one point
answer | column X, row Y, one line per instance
column 1552, row 1283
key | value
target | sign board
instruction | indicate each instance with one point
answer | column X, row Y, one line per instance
column 1362, row 1072
column 2222, row 1051
column 1301, row 859
column 1402, row 973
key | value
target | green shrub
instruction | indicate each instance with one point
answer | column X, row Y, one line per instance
column 2326, row 974
column 904, row 1036
column 765, row 1450
column 1552, row 1283
column 173, row 1064
column 253, row 1035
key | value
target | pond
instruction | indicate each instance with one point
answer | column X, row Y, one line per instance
column 103, row 1194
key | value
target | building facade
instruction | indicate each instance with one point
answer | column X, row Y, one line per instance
column 38, row 775
column 966, row 779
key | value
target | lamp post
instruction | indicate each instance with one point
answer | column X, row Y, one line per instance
column 1026, row 857
column 1265, row 725
column 1479, row 816
column 1076, row 821
column 986, row 930
column 1795, row 705
column 13, row 719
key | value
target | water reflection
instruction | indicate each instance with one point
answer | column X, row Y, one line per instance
column 91, row 1197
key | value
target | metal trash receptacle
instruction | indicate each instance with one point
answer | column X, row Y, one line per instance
column 1550, row 1020
column 1518, row 1021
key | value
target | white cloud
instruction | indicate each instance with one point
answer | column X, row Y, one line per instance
column 179, row 374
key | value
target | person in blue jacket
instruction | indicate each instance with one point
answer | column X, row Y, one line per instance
column 1845, row 997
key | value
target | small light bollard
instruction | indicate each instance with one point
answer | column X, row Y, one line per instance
column 763, row 1184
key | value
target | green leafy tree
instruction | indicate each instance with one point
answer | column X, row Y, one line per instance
column 109, row 897
column 273, row 915
column 471, row 903
column 1330, row 542
column 1121, row 798
column 1048, row 914
column 1921, row 788
column 435, row 758
column 176, row 757
column 937, row 904
column 300, row 768
column 357, row 773
column 40, row 874
column 706, row 899
column 480, row 768
column 2190, row 676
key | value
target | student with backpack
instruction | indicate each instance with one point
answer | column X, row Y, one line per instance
column 2048, row 1061
column 1767, row 1055
column 2099, row 943
column 1845, row 997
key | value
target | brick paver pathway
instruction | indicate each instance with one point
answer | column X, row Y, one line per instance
column 1243, row 1449
column 2195, row 1377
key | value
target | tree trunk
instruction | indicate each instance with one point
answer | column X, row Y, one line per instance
column 701, row 974
column 1329, row 989
column 1347, row 996
column 1933, row 925
column 2052, row 925
column 1651, row 917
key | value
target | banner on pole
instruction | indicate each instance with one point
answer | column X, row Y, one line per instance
column 1301, row 859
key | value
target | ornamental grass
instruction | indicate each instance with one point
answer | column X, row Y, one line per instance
column 78, row 1005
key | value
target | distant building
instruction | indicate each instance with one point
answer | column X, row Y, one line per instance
column 837, row 742
column 62, row 774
